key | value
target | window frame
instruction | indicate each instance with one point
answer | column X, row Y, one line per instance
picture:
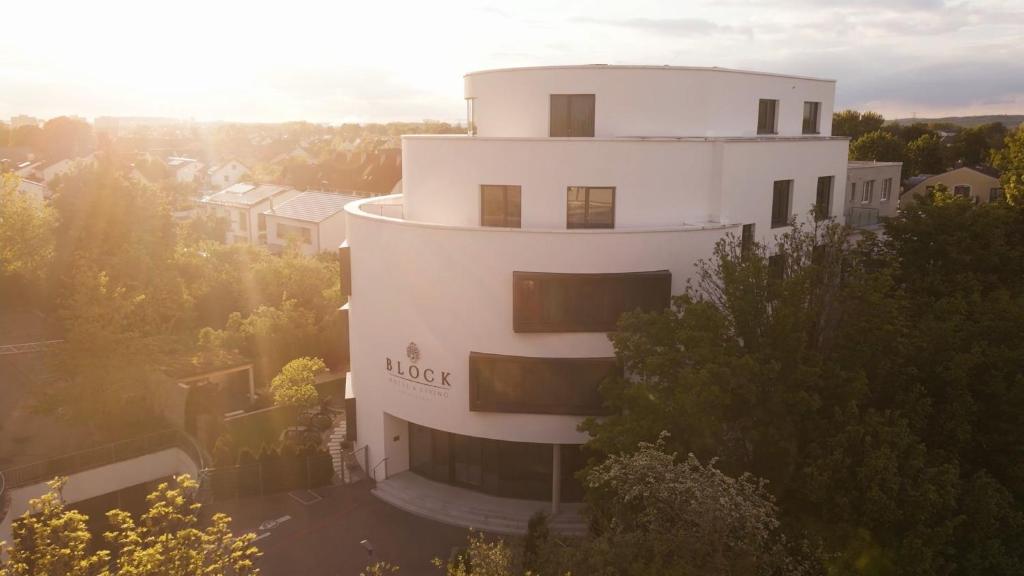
column 825, row 214
column 505, row 197
column 478, row 362
column 867, row 194
column 968, row 195
column 304, row 234
column 586, row 225
column 774, row 117
column 816, row 120
column 471, row 116
column 776, row 223
column 886, row 193
column 651, row 290
column 572, row 102
column 747, row 238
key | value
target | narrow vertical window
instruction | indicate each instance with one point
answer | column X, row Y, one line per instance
column 812, row 114
column 572, row 115
column 590, row 207
column 747, row 240
column 767, row 112
column 823, row 198
column 501, row 206
column 471, row 116
column 782, row 198
column 886, row 190
column 868, row 193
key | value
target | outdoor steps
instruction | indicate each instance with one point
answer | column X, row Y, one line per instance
column 468, row 509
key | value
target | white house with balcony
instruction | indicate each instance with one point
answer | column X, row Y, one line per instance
column 314, row 221
column 480, row 298
column 242, row 205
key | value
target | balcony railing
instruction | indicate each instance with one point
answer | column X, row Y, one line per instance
column 386, row 208
column 861, row 217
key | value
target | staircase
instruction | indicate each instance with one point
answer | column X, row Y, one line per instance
column 466, row 508
column 346, row 466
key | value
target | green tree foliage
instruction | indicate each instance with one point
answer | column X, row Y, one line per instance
column 295, row 385
column 167, row 540
column 855, row 124
column 879, row 146
column 1010, row 160
column 482, row 557
column 877, row 387
column 924, row 156
column 26, row 244
column 65, row 137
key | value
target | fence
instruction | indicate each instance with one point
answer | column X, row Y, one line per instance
column 100, row 456
column 859, row 217
column 277, row 473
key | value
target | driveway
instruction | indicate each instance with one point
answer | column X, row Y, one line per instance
column 318, row 533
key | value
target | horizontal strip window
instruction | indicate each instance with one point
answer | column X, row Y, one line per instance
column 553, row 302
column 525, row 385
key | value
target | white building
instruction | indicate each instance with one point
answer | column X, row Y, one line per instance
column 481, row 297
column 228, row 173
column 185, row 170
column 37, row 191
column 316, row 220
column 873, row 192
column 242, row 205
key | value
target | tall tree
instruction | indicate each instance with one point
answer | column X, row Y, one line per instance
column 855, row 124
column 26, row 244
column 1010, row 160
column 65, row 137
column 924, row 156
column 879, row 146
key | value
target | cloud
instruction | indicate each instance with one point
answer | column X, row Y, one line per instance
column 670, row 26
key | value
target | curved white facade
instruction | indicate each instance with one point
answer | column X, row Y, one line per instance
column 431, row 285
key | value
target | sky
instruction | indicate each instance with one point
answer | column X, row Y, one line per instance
column 383, row 60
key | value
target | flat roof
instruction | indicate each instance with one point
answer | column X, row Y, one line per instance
column 312, row 206
column 870, row 163
column 645, row 67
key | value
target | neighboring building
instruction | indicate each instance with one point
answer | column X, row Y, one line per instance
column 480, row 299
column 872, row 192
column 315, row 219
column 22, row 120
column 978, row 182
column 37, row 191
column 297, row 153
column 242, row 205
column 185, row 170
column 228, row 173
column 49, row 171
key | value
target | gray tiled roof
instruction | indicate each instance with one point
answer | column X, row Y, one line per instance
column 312, row 206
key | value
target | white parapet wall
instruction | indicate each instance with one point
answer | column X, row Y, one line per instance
column 102, row 480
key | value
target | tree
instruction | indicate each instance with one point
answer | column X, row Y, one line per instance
column 1010, row 160
column 295, row 385
column 924, row 156
column 855, row 124
column 482, row 557
column 166, row 540
column 65, row 137
column 878, row 146
column 26, row 244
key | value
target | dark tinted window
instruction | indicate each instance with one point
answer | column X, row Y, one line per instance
column 525, row 385
column 811, row 114
column 590, row 207
column 572, row 115
column 549, row 302
column 500, row 206
column 766, row 116
column 782, row 193
column 823, row 199
column 747, row 240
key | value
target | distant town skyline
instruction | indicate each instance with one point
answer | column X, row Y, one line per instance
column 363, row 62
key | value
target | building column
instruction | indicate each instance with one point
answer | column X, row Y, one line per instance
column 252, row 386
column 556, row 478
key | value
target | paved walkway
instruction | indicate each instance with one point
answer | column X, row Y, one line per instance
column 319, row 533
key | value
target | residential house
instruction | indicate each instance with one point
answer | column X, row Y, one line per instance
column 242, row 205
column 980, row 183
column 185, row 170
column 37, row 191
column 227, row 174
column 872, row 192
column 316, row 220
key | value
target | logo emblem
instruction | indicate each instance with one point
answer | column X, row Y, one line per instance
column 413, row 352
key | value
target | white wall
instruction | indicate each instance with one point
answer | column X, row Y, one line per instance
column 103, row 480
column 645, row 101
column 230, row 173
column 273, row 239
column 449, row 290
column 658, row 182
column 861, row 173
column 332, row 232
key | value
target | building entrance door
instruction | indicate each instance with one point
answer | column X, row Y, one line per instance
column 467, row 459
